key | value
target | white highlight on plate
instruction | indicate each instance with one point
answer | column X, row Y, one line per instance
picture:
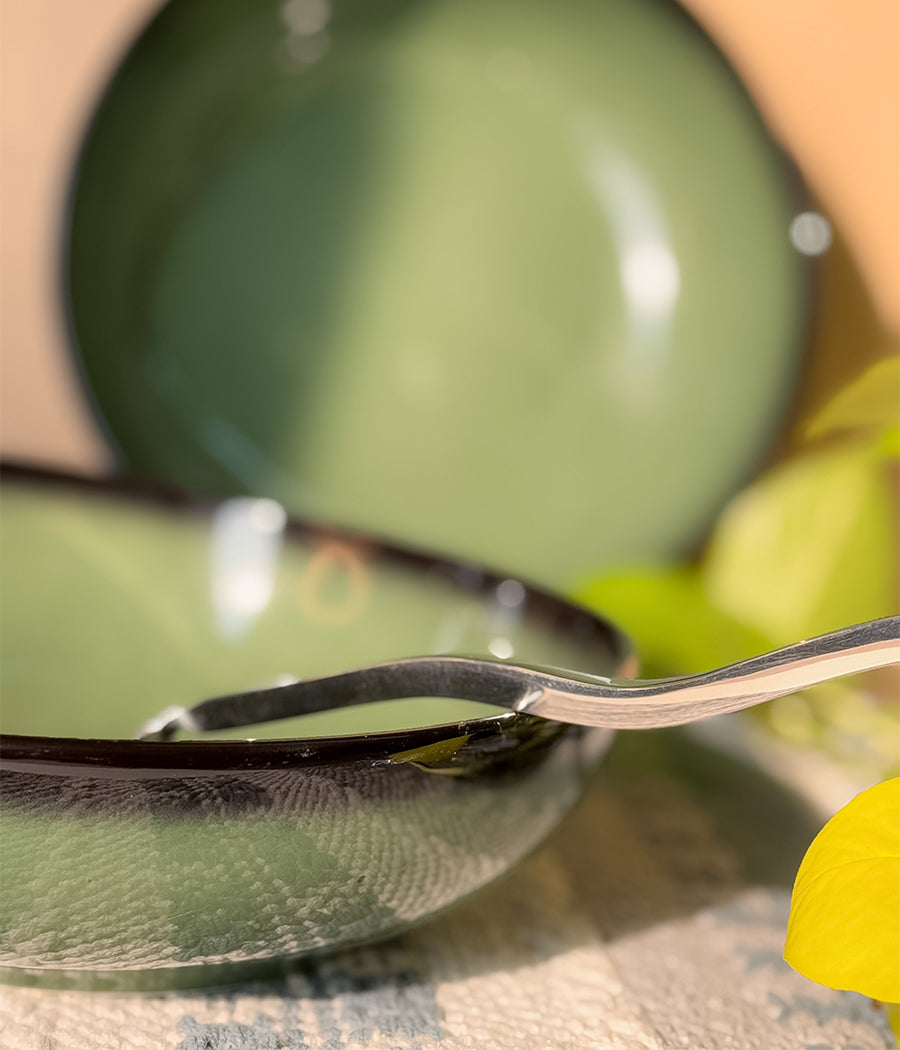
column 502, row 648
column 245, row 542
column 265, row 515
column 648, row 267
column 306, row 17
column 307, row 38
column 650, row 276
column 811, row 233
column 511, row 594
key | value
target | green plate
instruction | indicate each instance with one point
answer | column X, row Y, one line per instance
column 510, row 279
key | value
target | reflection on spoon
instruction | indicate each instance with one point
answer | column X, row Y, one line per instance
column 561, row 696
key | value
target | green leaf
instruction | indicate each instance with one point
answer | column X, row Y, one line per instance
column 808, row 548
column 889, row 443
column 871, row 402
column 844, row 926
column 675, row 627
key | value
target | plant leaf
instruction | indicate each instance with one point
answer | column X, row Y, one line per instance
column 871, row 402
column 844, row 927
column 810, row 547
column 669, row 616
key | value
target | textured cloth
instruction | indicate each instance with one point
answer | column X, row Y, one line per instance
column 654, row 918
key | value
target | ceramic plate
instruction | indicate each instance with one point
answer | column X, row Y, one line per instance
column 509, row 279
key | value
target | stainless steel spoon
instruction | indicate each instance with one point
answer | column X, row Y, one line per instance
column 558, row 695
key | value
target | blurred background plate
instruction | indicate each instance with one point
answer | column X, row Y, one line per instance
column 508, row 280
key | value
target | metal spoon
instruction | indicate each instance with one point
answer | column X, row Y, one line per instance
column 562, row 696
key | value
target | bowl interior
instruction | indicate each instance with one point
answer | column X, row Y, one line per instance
column 118, row 606
column 508, row 279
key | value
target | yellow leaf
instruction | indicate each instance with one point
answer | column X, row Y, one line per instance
column 809, row 547
column 889, row 443
column 871, row 401
column 434, row 758
column 844, row 927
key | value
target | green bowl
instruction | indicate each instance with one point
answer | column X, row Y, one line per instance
column 163, row 864
column 507, row 278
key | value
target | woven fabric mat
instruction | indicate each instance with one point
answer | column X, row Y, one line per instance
column 654, row 918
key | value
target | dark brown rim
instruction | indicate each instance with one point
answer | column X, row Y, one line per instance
column 54, row 753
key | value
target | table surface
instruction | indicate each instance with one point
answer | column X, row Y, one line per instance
column 653, row 919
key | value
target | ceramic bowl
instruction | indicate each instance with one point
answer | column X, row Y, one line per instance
column 506, row 278
column 176, row 862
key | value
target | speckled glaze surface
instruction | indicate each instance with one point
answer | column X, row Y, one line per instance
column 122, row 855
column 152, row 868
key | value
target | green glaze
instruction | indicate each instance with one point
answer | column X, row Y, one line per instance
column 508, row 279
column 118, row 861
column 170, row 891
column 109, row 618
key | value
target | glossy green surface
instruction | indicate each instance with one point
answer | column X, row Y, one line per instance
column 509, row 279
column 168, row 890
column 115, row 610
column 117, row 860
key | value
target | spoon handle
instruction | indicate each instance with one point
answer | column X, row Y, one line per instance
column 640, row 704
column 561, row 696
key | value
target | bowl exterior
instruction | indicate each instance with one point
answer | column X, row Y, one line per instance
column 128, row 869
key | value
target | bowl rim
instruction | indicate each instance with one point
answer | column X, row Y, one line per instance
column 57, row 754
